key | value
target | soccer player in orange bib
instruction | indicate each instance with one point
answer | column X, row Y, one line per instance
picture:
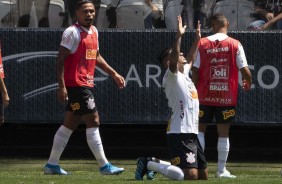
column 215, row 74
column 4, row 99
column 78, row 56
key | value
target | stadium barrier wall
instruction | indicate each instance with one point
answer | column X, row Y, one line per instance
column 29, row 57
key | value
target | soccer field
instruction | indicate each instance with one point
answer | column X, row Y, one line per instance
column 30, row 171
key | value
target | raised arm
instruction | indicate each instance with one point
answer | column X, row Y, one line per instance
column 195, row 75
column 174, row 56
column 191, row 56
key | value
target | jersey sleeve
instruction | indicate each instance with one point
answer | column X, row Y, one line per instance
column 187, row 69
column 1, row 66
column 70, row 39
column 197, row 60
column 97, row 33
column 168, row 78
column 241, row 60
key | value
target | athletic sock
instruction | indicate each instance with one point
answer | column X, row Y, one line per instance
column 166, row 169
column 201, row 138
column 164, row 162
column 95, row 144
column 60, row 141
column 223, row 150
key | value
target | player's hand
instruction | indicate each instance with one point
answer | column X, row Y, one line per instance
column 245, row 85
column 62, row 94
column 180, row 28
column 119, row 80
column 269, row 16
column 5, row 99
column 198, row 31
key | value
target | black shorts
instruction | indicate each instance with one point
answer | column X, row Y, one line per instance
column 222, row 114
column 185, row 151
column 80, row 100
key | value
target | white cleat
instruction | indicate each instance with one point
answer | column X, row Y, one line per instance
column 224, row 174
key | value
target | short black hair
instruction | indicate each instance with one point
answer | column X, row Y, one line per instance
column 164, row 54
column 81, row 2
column 219, row 18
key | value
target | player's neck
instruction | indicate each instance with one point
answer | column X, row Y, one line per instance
column 86, row 27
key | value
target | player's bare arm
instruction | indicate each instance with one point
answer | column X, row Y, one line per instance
column 191, row 56
column 5, row 96
column 101, row 63
column 62, row 91
column 175, row 53
column 247, row 78
column 195, row 75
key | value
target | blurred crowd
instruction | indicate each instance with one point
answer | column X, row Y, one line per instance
column 144, row 14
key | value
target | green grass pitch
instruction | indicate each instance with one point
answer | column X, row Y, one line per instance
column 30, row 171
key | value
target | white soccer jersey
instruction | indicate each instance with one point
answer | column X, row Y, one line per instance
column 71, row 37
column 241, row 60
column 183, row 101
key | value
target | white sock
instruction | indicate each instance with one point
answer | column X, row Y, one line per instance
column 60, row 141
column 164, row 162
column 223, row 150
column 166, row 169
column 201, row 137
column 95, row 144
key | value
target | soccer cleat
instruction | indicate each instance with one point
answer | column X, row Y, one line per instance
column 224, row 174
column 141, row 168
column 110, row 169
column 54, row 169
column 151, row 175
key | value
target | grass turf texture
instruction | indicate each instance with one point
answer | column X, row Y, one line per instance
column 30, row 171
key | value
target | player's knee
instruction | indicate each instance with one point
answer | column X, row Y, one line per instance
column 203, row 174
column 190, row 174
column 190, row 177
column 96, row 123
column 175, row 173
column 1, row 120
column 92, row 124
column 96, row 120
